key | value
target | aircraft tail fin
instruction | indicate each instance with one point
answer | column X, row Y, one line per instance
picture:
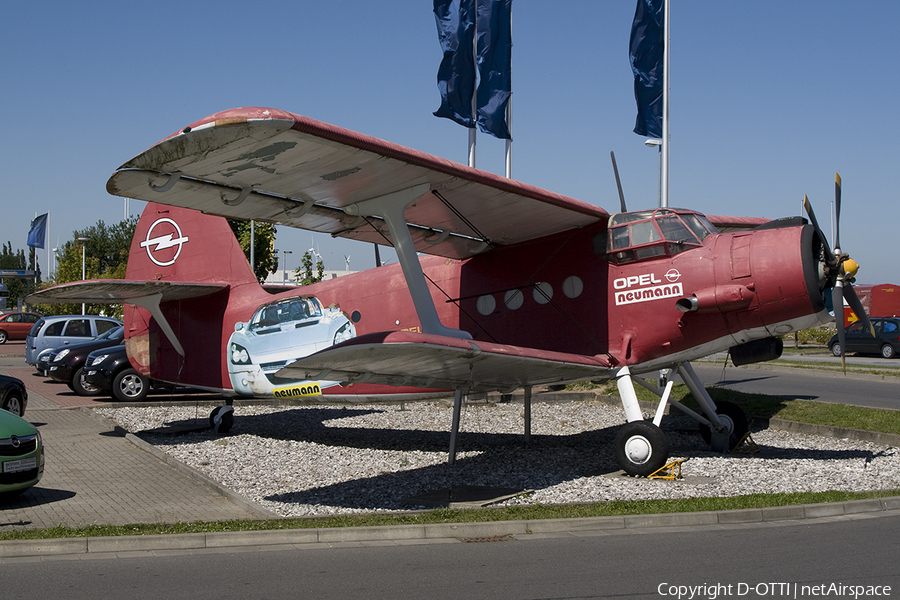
column 179, row 245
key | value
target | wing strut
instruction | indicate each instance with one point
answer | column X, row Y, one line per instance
column 392, row 207
column 151, row 303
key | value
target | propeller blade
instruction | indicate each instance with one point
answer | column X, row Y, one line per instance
column 857, row 307
column 812, row 217
column 837, row 210
column 837, row 301
column 612, row 155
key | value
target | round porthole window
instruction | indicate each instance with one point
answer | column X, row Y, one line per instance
column 486, row 305
column 572, row 287
column 543, row 292
column 513, row 299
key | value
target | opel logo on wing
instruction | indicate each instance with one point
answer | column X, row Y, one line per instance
column 163, row 248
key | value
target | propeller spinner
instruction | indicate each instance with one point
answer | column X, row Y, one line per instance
column 840, row 270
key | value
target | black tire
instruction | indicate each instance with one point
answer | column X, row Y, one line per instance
column 836, row 349
column 227, row 419
column 735, row 419
column 641, row 448
column 3, row 337
column 887, row 351
column 130, row 386
column 13, row 403
column 81, row 387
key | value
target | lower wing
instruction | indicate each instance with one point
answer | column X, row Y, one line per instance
column 403, row 358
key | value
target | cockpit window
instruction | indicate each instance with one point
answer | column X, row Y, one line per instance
column 645, row 234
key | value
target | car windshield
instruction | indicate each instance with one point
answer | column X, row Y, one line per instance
column 285, row 311
column 111, row 334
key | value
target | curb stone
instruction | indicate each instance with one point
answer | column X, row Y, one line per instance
column 438, row 531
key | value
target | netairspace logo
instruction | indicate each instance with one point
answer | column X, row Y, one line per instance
column 712, row 591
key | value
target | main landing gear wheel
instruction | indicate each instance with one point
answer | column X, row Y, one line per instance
column 641, row 448
column 735, row 420
column 221, row 419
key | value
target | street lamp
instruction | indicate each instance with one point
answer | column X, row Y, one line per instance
column 658, row 143
column 284, row 262
column 82, row 240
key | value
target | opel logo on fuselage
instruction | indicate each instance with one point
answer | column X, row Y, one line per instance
column 164, row 247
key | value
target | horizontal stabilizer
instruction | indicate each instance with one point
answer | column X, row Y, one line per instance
column 404, row 358
column 117, row 291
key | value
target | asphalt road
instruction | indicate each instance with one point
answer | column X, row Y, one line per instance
column 772, row 560
column 805, row 384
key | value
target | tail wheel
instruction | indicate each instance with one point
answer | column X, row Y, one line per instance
column 735, row 420
column 641, row 448
column 221, row 419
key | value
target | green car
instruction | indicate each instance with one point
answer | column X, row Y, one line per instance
column 21, row 454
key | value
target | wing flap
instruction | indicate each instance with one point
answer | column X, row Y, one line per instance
column 264, row 164
column 430, row 361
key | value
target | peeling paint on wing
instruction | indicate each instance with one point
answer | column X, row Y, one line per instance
column 251, row 160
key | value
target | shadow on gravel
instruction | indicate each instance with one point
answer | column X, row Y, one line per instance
column 484, row 459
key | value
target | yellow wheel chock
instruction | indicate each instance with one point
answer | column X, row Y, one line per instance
column 670, row 471
column 746, row 445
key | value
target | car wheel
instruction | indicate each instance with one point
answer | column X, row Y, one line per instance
column 13, row 403
column 3, row 337
column 82, row 387
column 836, row 349
column 130, row 386
column 887, row 351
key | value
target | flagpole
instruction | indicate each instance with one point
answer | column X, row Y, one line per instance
column 509, row 104
column 472, row 130
column 664, row 200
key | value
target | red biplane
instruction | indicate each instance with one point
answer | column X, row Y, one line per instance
column 517, row 286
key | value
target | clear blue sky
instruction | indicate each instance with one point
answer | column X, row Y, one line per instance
column 769, row 99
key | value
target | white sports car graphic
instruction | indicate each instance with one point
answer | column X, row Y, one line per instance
column 278, row 334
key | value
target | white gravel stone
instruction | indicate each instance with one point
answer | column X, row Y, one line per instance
column 323, row 460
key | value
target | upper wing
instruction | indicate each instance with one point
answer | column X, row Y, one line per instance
column 402, row 358
column 271, row 165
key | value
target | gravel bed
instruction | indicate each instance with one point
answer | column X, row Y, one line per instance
column 324, row 460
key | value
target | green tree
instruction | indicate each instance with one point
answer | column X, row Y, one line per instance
column 14, row 261
column 105, row 257
column 304, row 274
column 266, row 261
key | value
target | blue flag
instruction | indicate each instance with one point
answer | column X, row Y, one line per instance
column 456, row 76
column 494, row 50
column 646, row 53
column 38, row 231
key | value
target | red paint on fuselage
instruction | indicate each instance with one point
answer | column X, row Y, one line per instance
column 558, row 293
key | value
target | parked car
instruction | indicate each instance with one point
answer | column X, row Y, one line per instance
column 858, row 339
column 13, row 396
column 109, row 369
column 16, row 325
column 66, row 363
column 21, row 454
column 64, row 330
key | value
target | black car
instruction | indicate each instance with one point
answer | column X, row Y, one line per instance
column 109, row 370
column 858, row 339
column 67, row 362
column 13, row 396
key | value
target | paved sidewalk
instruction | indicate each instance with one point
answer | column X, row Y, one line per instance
column 93, row 475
